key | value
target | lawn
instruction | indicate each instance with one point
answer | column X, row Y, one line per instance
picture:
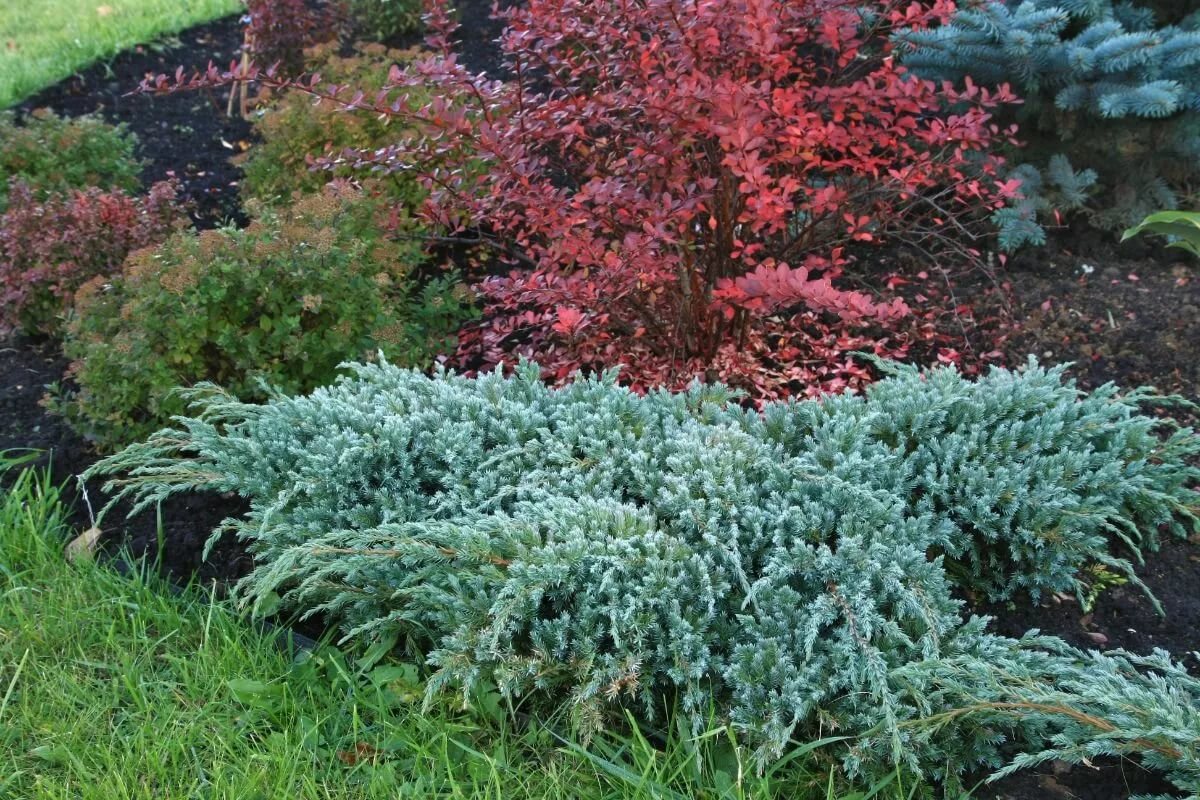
column 112, row 686
column 44, row 41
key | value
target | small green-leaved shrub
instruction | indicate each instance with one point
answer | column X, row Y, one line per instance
column 283, row 301
column 793, row 569
column 51, row 154
column 382, row 19
column 294, row 129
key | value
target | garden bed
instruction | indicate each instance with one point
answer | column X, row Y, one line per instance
column 1128, row 314
column 189, row 135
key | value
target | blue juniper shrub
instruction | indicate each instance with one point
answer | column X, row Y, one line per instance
column 608, row 550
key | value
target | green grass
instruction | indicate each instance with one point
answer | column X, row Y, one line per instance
column 112, row 687
column 44, row 41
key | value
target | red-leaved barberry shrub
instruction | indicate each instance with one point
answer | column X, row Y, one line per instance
column 278, row 31
column 49, row 249
column 676, row 180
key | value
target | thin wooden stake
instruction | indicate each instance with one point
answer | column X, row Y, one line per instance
column 239, row 87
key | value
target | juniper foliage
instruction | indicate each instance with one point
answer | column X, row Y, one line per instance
column 1035, row 478
column 1069, row 705
column 797, row 565
column 1099, row 78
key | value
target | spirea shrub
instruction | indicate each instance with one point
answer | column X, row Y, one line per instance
column 294, row 129
column 51, row 247
column 283, row 301
column 609, row 550
column 678, row 180
column 1109, row 86
column 52, row 155
column 382, row 20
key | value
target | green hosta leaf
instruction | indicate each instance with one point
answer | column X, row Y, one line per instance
column 1182, row 227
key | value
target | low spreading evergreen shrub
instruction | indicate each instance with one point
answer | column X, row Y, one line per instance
column 51, row 154
column 283, row 301
column 49, row 248
column 1035, row 477
column 294, row 129
column 793, row 567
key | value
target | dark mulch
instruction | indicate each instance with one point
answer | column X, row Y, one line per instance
column 26, row 368
column 1128, row 314
column 1105, row 780
column 475, row 40
column 1124, row 312
column 1124, row 617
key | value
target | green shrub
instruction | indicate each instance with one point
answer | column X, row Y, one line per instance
column 383, row 19
column 791, row 569
column 284, row 301
column 294, row 129
column 51, row 154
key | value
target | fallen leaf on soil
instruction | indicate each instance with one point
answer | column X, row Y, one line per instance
column 1097, row 637
column 1053, row 787
column 83, row 545
column 361, row 752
